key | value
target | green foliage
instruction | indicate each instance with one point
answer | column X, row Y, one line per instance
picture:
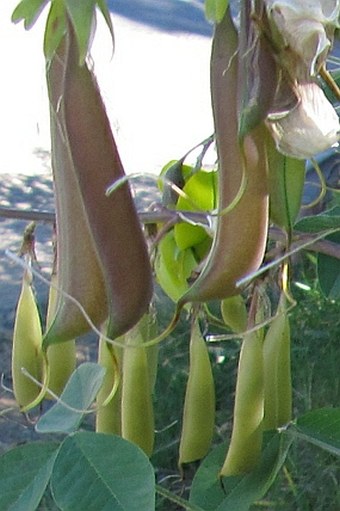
column 215, row 9
column 25, row 472
column 95, row 471
column 238, row 492
column 80, row 391
column 81, row 15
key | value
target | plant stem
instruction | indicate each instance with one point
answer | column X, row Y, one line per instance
column 185, row 504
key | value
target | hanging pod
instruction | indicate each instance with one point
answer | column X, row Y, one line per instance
column 241, row 233
column 108, row 413
column 199, row 405
column 277, row 370
column 26, row 349
column 61, row 357
column 122, row 283
column 246, row 439
column 79, row 271
column 113, row 219
column 137, row 405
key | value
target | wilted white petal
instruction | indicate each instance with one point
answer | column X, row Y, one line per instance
column 310, row 128
column 307, row 27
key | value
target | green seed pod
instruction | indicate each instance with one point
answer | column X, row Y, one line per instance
column 234, row 313
column 277, row 370
column 246, row 440
column 26, row 350
column 137, row 406
column 61, row 357
column 199, row 404
column 108, row 416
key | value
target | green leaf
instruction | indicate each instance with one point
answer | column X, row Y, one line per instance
column 201, row 191
column 173, row 267
column 95, row 471
column 82, row 14
column 24, row 474
column 215, row 9
column 238, row 492
column 286, row 181
column 55, row 28
column 319, row 427
column 328, row 220
column 29, row 11
column 79, row 393
column 102, row 5
column 329, row 272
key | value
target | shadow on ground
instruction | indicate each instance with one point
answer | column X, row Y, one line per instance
column 167, row 15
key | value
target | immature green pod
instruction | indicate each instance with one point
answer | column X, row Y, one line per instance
column 26, row 350
column 199, row 404
column 61, row 357
column 234, row 313
column 108, row 415
column 277, row 370
column 137, row 406
column 240, row 239
column 149, row 329
column 246, row 440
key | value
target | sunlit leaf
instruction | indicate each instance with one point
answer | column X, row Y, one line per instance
column 173, row 267
column 215, row 9
column 55, row 28
column 28, row 11
column 82, row 16
column 201, row 191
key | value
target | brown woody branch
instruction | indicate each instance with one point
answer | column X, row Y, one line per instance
column 163, row 215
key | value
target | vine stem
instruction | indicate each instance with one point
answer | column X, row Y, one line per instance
column 163, row 215
column 176, row 499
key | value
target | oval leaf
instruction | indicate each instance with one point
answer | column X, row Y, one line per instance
column 239, row 492
column 96, row 471
column 319, row 427
column 215, row 9
column 329, row 272
column 328, row 220
column 79, row 393
column 24, row 475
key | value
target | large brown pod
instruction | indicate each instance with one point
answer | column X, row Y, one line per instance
column 113, row 222
column 79, row 271
column 240, row 239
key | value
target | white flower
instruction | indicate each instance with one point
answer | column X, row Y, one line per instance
column 306, row 27
column 309, row 128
